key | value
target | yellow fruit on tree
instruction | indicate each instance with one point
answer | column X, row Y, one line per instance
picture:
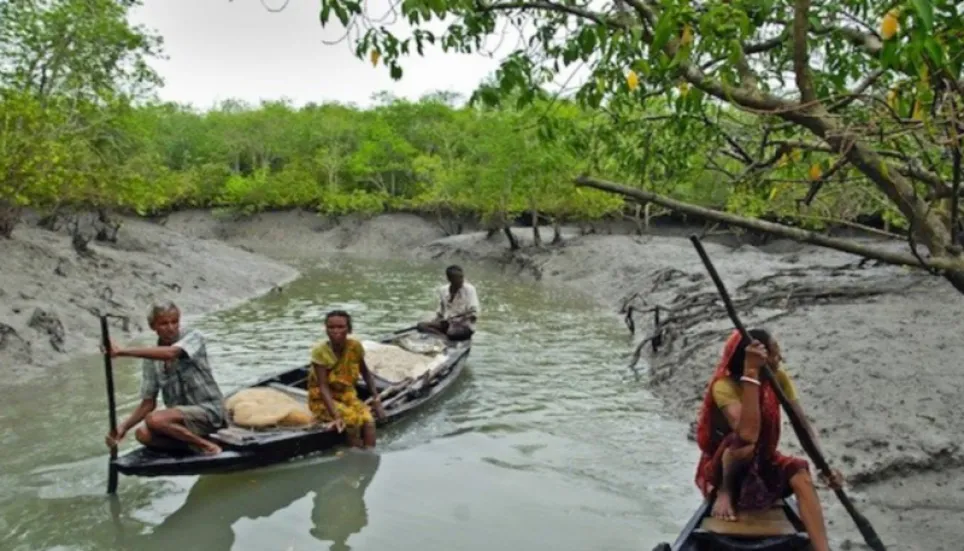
column 892, row 99
column 796, row 154
column 375, row 56
column 632, row 80
column 918, row 111
column 687, row 36
column 889, row 25
column 684, row 88
column 815, row 172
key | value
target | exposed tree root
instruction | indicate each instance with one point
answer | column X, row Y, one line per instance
column 938, row 461
column 693, row 306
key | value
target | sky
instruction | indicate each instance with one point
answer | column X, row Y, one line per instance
column 238, row 49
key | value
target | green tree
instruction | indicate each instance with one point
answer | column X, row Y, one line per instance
column 68, row 71
column 880, row 105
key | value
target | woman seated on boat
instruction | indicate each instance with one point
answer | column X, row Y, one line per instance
column 332, row 398
column 738, row 431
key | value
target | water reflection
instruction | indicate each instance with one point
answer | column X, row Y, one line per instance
column 545, row 436
column 337, row 486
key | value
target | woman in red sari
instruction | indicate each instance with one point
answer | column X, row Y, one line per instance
column 738, row 431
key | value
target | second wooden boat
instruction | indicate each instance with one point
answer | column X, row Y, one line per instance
column 778, row 528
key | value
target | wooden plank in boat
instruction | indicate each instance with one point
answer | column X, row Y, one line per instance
column 767, row 523
column 234, row 435
column 290, row 390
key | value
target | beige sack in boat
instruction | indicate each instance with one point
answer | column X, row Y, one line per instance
column 394, row 363
column 267, row 407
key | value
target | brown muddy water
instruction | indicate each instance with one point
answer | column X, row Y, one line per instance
column 546, row 442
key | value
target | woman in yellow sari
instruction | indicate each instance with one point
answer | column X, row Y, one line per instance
column 335, row 367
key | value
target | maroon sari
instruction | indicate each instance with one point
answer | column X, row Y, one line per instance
column 768, row 475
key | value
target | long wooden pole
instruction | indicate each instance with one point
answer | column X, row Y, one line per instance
column 866, row 530
column 111, row 405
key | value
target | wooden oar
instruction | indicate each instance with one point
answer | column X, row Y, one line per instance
column 414, row 327
column 866, row 530
column 419, row 383
column 391, row 390
column 111, row 406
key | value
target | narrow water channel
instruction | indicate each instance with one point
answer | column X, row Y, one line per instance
column 546, row 442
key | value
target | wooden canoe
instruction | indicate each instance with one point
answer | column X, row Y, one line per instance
column 776, row 529
column 246, row 449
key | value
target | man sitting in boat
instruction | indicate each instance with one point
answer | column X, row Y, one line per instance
column 458, row 308
column 738, row 431
column 332, row 398
column 177, row 368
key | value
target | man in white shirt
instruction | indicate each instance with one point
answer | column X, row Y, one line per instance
column 458, row 308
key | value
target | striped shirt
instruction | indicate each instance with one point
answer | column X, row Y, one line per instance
column 186, row 381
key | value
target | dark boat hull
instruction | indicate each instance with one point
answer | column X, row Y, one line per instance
column 696, row 536
column 244, row 449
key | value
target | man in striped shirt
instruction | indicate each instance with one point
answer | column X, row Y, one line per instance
column 178, row 369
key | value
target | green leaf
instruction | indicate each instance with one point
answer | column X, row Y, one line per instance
column 925, row 11
column 934, row 50
column 664, row 28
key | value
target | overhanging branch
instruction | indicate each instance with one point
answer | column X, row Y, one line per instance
column 552, row 6
column 796, row 234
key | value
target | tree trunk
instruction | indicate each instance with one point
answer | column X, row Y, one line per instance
column 556, row 231
column 926, row 224
column 51, row 221
column 951, row 267
column 107, row 227
column 513, row 242
column 536, row 236
column 9, row 218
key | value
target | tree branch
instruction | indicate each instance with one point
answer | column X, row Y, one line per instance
column 551, row 6
column 858, row 90
column 801, row 68
column 796, row 234
column 766, row 45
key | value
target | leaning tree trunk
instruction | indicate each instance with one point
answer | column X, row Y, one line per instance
column 951, row 268
column 513, row 242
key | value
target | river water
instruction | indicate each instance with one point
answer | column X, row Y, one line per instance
column 545, row 443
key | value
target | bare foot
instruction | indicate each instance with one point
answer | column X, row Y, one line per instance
column 723, row 508
column 210, row 448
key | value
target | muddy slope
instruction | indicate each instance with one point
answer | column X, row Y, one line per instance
column 50, row 296
column 875, row 352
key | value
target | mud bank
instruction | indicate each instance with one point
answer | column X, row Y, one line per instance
column 50, row 296
column 874, row 350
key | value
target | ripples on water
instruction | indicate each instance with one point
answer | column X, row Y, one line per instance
column 544, row 443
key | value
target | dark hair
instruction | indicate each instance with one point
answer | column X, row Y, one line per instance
column 453, row 269
column 736, row 361
column 339, row 314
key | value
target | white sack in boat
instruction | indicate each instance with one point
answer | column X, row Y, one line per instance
column 266, row 407
column 394, row 363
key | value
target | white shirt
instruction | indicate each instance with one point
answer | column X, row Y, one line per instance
column 466, row 300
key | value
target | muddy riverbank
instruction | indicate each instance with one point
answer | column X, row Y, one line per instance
column 874, row 350
column 50, row 296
